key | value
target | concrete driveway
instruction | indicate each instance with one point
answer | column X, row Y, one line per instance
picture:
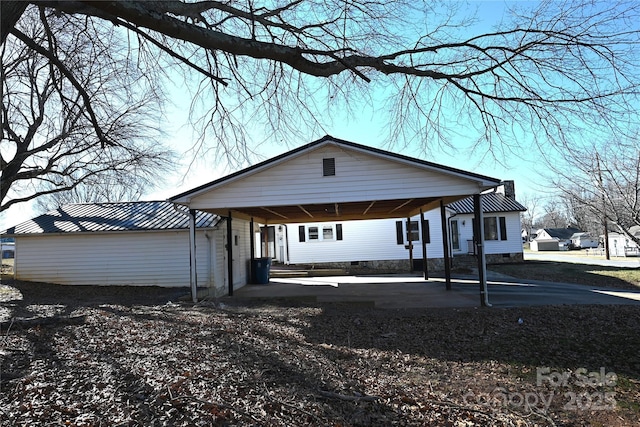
column 407, row 291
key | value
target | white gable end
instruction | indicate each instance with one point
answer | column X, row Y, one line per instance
column 358, row 176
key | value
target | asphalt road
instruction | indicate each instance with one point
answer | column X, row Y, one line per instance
column 582, row 258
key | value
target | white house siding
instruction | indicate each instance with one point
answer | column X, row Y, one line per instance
column 375, row 240
column 128, row 258
column 241, row 253
column 620, row 245
column 368, row 240
column 359, row 176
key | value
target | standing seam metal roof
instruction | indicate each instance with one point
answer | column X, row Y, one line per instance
column 491, row 203
column 104, row 217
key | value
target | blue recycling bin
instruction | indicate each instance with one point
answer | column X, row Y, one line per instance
column 261, row 267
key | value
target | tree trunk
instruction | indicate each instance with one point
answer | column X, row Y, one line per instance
column 10, row 12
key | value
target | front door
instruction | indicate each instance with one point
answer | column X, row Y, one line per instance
column 455, row 235
column 268, row 239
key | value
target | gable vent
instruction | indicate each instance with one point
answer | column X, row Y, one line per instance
column 329, row 167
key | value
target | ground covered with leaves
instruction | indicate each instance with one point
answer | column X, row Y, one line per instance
column 138, row 356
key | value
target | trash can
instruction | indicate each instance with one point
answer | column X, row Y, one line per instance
column 260, row 268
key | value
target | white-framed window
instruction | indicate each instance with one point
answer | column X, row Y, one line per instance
column 320, row 233
column 327, row 232
column 495, row 228
column 313, row 233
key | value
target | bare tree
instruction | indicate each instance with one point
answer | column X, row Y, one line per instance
column 51, row 111
column 605, row 180
column 549, row 72
column 529, row 217
column 555, row 215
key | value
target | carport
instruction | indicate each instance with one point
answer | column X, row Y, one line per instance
column 336, row 180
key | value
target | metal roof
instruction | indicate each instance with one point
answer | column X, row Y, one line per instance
column 491, row 203
column 104, row 217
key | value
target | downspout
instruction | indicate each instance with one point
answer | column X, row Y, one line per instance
column 286, row 244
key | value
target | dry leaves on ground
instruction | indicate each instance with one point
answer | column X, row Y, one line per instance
column 130, row 357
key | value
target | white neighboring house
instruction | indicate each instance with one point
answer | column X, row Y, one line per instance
column 383, row 244
column 131, row 243
column 584, row 240
column 553, row 239
column 621, row 245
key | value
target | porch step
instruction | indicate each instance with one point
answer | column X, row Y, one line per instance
column 315, row 272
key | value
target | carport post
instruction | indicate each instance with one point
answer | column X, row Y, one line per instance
column 479, row 240
column 425, row 268
column 445, row 245
column 252, row 246
column 193, row 278
column 230, row 253
column 410, row 244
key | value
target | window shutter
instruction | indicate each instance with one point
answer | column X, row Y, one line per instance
column 503, row 228
column 301, row 233
column 329, row 167
column 426, row 234
column 399, row 234
column 338, row 231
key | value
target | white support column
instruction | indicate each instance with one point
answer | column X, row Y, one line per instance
column 193, row 277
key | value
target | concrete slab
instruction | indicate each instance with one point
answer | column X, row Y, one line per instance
column 406, row 291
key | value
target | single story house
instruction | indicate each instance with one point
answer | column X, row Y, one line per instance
column 131, row 243
column 385, row 244
column 553, row 239
column 584, row 240
column 205, row 237
column 621, row 245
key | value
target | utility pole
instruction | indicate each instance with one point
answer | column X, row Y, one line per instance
column 604, row 210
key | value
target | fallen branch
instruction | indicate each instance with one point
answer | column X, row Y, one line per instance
column 30, row 322
column 221, row 405
column 281, row 402
column 332, row 395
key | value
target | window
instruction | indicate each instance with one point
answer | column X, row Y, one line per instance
column 327, row 232
column 313, row 233
column 301, row 233
column 329, row 167
column 339, row 231
column 495, row 228
column 490, row 228
column 414, row 231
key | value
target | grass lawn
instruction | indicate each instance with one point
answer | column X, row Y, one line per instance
column 568, row 272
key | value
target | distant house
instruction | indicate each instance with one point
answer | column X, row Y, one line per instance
column 553, row 239
column 584, row 240
column 621, row 245
column 384, row 244
column 131, row 243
